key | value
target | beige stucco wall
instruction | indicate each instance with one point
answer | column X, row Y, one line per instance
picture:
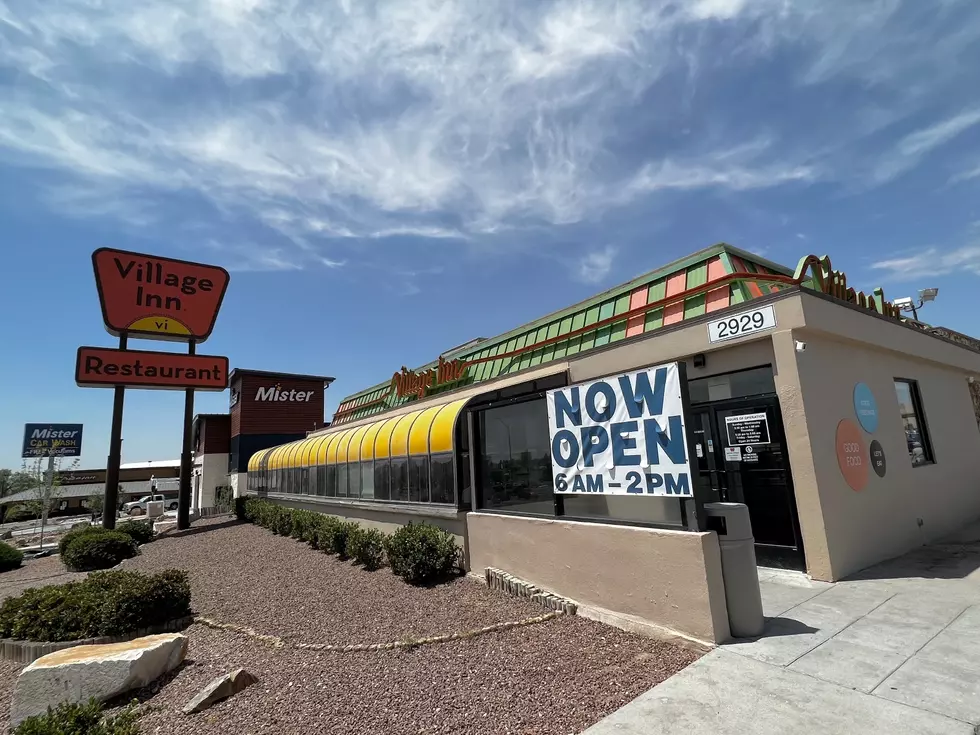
column 670, row 578
column 844, row 530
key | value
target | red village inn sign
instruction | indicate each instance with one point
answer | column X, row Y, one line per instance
column 158, row 298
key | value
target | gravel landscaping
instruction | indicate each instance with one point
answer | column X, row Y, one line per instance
column 559, row 676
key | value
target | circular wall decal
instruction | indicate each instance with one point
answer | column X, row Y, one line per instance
column 878, row 463
column 866, row 407
column 852, row 457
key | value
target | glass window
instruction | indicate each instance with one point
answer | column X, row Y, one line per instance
column 399, row 479
column 914, row 420
column 382, row 477
column 418, row 479
column 515, row 458
column 342, row 481
column 354, row 480
column 754, row 382
column 443, row 486
column 626, row 508
column 330, row 487
column 321, row 480
column 367, row 479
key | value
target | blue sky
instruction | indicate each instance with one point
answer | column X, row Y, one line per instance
column 386, row 180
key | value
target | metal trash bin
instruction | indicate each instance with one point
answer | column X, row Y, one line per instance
column 742, row 593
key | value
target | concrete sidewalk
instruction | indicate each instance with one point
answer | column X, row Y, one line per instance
column 894, row 650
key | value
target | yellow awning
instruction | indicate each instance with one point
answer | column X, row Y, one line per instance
column 419, row 433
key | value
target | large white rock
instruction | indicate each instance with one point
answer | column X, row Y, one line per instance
column 105, row 671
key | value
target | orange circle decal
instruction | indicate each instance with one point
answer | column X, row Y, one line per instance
column 851, row 455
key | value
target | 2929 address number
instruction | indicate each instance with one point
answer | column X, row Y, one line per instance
column 739, row 325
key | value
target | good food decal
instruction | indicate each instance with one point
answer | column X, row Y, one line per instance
column 623, row 435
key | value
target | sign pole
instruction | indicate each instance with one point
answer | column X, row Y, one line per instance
column 111, row 500
column 184, row 493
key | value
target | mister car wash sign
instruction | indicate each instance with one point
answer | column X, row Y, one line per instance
column 158, row 298
column 622, row 435
column 52, row 440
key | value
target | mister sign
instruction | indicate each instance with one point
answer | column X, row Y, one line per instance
column 622, row 435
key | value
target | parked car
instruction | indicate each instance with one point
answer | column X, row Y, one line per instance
column 138, row 507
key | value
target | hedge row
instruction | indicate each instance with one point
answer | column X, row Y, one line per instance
column 419, row 552
column 103, row 604
column 90, row 718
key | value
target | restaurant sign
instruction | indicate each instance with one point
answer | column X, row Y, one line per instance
column 408, row 383
column 834, row 283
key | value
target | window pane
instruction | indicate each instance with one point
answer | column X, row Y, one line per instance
column 443, row 481
column 367, row 479
column 382, row 476
column 754, row 382
column 916, row 435
column 399, row 479
column 418, row 479
column 330, row 490
column 321, row 480
column 515, row 458
column 342, row 481
column 354, row 480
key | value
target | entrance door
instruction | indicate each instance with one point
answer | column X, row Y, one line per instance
column 741, row 457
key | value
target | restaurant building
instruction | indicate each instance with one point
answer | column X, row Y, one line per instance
column 851, row 433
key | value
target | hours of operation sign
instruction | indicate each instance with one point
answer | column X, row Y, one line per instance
column 747, row 429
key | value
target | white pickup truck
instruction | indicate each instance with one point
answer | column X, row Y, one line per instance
column 138, row 507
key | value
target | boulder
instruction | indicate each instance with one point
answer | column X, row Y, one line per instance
column 102, row 671
column 219, row 689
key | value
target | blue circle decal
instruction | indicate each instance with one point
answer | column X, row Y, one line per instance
column 865, row 407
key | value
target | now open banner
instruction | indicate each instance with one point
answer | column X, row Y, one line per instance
column 621, row 435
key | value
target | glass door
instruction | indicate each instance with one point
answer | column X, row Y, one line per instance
column 751, row 448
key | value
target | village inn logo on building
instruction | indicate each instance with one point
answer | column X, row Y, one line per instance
column 276, row 393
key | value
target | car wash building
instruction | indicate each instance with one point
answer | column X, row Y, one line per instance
column 849, row 431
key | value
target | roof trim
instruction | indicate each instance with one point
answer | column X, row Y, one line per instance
column 270, row 374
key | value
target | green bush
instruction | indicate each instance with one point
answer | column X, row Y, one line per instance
column 81, row 719
column 99, row 549
column 304, row 522
column 422, row 554
column 104, row 604
column 141, row 532
column 366, row 546
column 322, row 534
column 241, row 508
column 18, row 513
column 73, row 534
column 10, row 558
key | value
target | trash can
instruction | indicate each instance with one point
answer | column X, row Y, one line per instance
column 154, row 509
column 742, row 594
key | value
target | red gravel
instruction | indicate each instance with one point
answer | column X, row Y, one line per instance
column 555, row 677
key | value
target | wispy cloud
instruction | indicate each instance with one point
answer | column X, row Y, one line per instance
column 331, row 126
column 932, row 261
column 913, row 147
column 596, row 266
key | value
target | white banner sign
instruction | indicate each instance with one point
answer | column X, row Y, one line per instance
column 622, row 435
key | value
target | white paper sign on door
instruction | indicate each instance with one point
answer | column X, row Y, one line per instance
column 733, row 454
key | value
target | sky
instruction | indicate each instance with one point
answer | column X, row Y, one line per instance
column 385, row 180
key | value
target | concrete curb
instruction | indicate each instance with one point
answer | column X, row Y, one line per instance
column 500, row 580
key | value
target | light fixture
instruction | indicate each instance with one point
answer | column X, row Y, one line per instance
column 907, row 303
column 928, row 294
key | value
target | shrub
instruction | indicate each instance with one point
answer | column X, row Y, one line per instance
column 81, row 719
column 241, row 508
column 422, row 554
column 321, row 536
column 303, row 524
column 141, row 532
column 99, row 549
column 104, row 604
column 17, row 514
column 10, row 558
column 73, row 534
column 338, row 541
column 366, row 546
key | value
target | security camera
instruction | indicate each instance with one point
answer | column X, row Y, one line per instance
column 800, row 346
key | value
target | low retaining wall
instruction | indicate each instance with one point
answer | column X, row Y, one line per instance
column 672, row 579
column 26, row 652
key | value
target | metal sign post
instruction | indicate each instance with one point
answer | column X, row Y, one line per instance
column 111, row 499
column 184, row 492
